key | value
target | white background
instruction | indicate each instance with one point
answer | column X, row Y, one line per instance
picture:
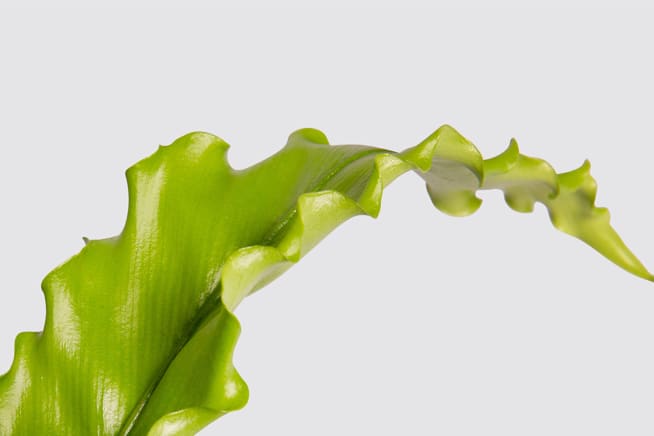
column 413, row 324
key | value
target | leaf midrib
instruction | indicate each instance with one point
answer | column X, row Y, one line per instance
column 208, row 307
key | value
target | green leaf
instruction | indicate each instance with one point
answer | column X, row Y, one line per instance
column 139, row 330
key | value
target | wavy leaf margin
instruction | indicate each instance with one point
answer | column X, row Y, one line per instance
column 453, row 170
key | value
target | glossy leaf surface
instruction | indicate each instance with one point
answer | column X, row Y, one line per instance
column 139, row 330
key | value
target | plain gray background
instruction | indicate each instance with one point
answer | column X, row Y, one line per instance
column 415, row 323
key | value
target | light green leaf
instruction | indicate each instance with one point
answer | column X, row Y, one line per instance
column 139, row 330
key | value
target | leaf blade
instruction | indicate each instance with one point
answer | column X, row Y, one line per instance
column 132, row 320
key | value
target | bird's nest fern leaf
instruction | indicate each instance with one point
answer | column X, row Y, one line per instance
column 140, row 331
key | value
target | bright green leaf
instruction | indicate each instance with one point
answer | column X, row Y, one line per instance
column 139, row 331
